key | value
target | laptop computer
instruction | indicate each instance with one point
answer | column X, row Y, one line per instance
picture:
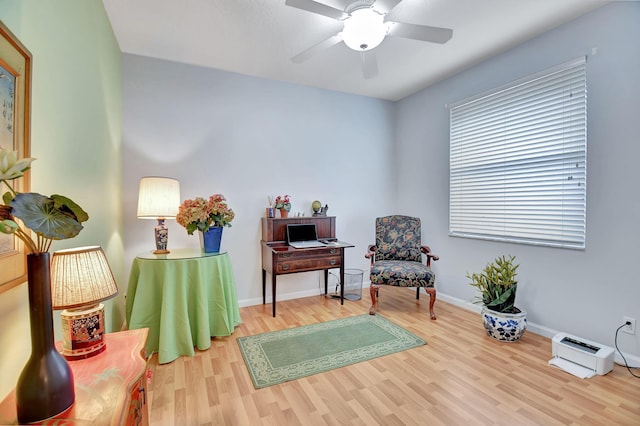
column 303, row 235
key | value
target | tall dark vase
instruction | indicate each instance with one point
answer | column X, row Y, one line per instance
column 45, row 386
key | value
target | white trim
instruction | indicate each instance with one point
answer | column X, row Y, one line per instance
column 543, row 331
column 633, row 360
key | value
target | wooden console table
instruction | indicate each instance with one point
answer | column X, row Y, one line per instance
column 111, row 387
column 278, row 258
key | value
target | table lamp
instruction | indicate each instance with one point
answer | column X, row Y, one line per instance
column 159, row 198
column 80, row 280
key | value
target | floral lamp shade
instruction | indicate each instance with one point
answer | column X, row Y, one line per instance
column 159, row 198
column 80, row 279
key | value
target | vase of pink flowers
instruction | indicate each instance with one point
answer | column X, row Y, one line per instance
column 283, row 203
column 207, row 216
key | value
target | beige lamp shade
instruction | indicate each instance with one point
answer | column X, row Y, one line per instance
column 80, row 277
column 158, row 197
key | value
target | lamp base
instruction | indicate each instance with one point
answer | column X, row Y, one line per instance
column 83, row 332
column 161, row 233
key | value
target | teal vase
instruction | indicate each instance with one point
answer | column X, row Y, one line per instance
column 211, row 239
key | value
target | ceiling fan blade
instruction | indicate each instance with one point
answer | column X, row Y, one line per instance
column 319, row 8
column 369, row 64
column 420, row 32
column 384, row 6
column 325, row 44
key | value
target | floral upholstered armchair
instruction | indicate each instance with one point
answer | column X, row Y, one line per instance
column 396, row 258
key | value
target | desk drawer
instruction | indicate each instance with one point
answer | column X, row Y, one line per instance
column 307, row 253
column 307, row 263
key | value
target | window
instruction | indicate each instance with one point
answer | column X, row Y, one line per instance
column 518, row 161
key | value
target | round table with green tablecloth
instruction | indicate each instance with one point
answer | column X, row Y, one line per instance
column 185, row 298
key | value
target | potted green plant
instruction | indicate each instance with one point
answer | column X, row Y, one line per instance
column 283, row 204
column 497, row 285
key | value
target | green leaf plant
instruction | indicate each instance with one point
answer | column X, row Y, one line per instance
column 51, row 218
column 497, row 284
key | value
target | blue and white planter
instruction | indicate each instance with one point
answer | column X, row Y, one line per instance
column 502, row 326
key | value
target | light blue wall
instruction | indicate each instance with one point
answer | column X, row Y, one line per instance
column 585, row 293
column 247, row 138
column 76, row 139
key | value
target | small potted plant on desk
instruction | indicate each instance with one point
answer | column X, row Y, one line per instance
column 284, row 205
column 497, row 284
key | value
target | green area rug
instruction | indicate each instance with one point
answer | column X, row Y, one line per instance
column 280, row 356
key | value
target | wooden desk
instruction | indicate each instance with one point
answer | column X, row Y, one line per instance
column 278, row 258
column 111, row 387
column 184, row 298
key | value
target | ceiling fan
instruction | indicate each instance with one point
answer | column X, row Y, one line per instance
column 365, row 27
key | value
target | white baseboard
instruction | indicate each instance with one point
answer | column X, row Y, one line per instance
column 281, row 296
column 633, row 360
column 293, row 295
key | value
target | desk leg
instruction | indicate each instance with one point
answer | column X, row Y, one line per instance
column 342, row 276
column 264, row 287
column 326, row 282
column 273, row 292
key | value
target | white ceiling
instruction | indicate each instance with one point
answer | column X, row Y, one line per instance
column 258, row 38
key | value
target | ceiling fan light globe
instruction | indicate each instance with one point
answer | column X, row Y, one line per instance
column 364, row 29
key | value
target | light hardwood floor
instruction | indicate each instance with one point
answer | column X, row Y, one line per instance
column 461, row 377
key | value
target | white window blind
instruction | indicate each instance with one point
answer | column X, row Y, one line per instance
column 518, row 161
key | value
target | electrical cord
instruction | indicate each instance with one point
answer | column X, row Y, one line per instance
column 337, row 284
column 321, row 285
column 620, row 352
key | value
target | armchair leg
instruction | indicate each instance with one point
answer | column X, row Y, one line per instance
column 431, row 291
column 373, row 291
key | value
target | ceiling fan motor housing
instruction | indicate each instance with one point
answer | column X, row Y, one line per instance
column 364, row 29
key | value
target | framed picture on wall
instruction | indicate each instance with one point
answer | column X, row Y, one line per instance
column 15, row 97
